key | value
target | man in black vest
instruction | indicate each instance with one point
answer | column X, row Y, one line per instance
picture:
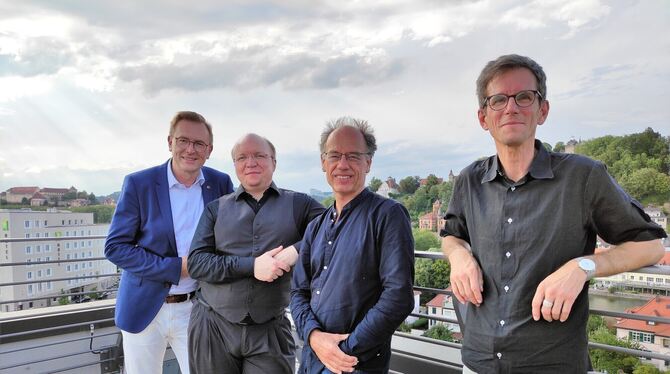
column 242, row 253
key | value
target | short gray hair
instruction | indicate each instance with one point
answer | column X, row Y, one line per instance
column 361, row 125
column 504, row 64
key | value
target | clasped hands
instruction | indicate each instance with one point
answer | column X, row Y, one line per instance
column 274, row 263
column 554, row 296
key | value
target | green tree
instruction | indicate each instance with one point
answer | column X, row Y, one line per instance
column 647, row 185
column 92, row 199
column 25, row 201
column 612, row 361
column 547, row 146
column 440, row 332
column 328, row 201
column 408, row 185
column 101, row 213
column 425, row 240
column 432, row 274
column 404, row 327
column 375, row 183
column 594, row 323
column 646, row 369
column 432, row 180
column 559, row 147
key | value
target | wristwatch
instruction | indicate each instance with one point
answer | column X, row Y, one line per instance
column 588, row 265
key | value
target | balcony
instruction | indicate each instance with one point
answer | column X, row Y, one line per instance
column 82, row 338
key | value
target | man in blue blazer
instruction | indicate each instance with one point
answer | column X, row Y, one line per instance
column 149, row 239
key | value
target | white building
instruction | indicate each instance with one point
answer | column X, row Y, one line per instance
column 42, row 227
column 652, row 336
column 443, row 306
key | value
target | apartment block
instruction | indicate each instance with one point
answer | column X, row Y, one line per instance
column 52, row 235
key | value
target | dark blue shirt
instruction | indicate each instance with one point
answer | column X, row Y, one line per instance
column 355, row 276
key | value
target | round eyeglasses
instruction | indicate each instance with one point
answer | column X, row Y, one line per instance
column 523, row 99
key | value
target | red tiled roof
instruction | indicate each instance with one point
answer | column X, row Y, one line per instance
column 438, row 301
column 23, row 190
column 38, row 195
column 55, row 190
column 659, row 306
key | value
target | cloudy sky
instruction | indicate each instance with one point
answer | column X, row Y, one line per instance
column 87, row 88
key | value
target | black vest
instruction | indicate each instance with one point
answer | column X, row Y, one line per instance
column 240, row 232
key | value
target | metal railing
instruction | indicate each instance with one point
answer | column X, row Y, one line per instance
column 110, row 355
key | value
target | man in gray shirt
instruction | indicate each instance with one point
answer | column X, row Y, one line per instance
column 521, row 230
column 242, row 253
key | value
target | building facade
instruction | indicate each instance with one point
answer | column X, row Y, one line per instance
column 433, row 220
column 652, row 336
column 52, row 235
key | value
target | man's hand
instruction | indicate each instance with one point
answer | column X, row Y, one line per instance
column 557, row 293
column 288, row 256
column 267, row 268
column 326, row 347
column 466, row 278
column 184, row 269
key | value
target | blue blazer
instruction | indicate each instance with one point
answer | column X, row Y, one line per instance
column 141, row 241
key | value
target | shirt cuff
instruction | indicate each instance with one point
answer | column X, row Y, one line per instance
column 246, row 266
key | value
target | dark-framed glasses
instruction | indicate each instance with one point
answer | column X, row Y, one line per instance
column 198, row 146
column 335, row 157
column 258, row 157
column 523, row 99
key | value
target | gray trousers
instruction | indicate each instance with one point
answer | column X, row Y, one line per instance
column 216, row 345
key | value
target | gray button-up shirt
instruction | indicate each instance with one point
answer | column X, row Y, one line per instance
column 522, row 232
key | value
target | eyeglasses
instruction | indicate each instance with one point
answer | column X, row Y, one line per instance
column 198, row 146
column 335, row 157
column 258, row 157
column 523, row 99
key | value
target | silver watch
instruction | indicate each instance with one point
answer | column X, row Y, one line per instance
column 588, row 265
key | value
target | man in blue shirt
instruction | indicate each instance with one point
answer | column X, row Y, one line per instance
column 149, row 239
column 352, row 285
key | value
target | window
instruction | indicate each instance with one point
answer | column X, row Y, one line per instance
column 37, row 223
column 82, row 231
column 90, row 254
column 29, row 249
column 650, row 279
column 39, row 274
column 45, row 223
column 67, row 256
column 38, row 248
column 76, row 267
column 68, row 268
column 49, row 286
column 89, row 232
column 639, row 336
column 26, row 224
column 47, row 248
column 29, row 275
column 75, row 244
column 67, row 245
column 659, row 280
column 82, row 242
column 69, row 222
column 83, row 265
column 62, row 223
column 27, row 236
column 46, row 234
column 75, row 255
column 90, row 264
column 37, row 234
column 67, row 233
column 640, row 278
column 90, row 243
column 30, row 289
column 48, row 272
column 632, row 277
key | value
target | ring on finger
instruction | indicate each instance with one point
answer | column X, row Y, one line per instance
column 547, row 303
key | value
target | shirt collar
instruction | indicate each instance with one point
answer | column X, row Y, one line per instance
column 240, row 190
column 172, row 180
column 355, row 201
column 540, row 167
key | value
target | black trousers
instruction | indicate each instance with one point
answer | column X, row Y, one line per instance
column 216, row 345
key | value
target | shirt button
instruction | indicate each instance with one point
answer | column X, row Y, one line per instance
column 330, row 242
column 502, row 323
column 325, row 267
column 499, row 355
column 509, row 220
column 318, row 292
column 512, row 188
column 506, row 288
column 508, row 254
